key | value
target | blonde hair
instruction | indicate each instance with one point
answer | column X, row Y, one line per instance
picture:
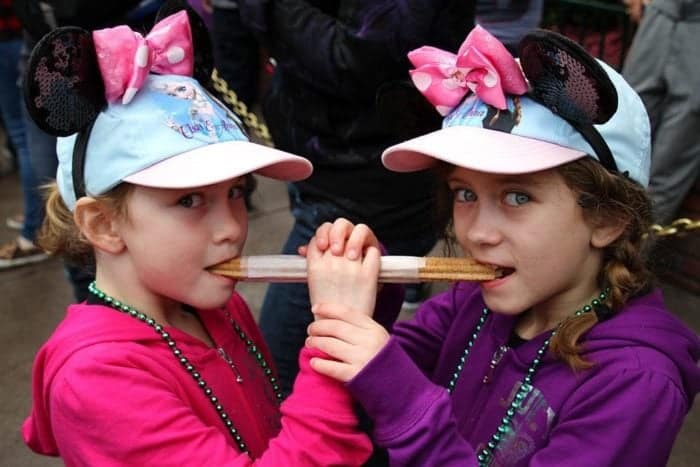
column 606, row 199
column 59, row 233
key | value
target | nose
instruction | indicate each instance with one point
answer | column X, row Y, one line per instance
column 230, row 223
column 483, row 227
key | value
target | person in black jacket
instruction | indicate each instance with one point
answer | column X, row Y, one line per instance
column 340, row 94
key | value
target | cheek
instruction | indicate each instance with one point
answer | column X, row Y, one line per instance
column 240, row 214
column 461, row 220
column 244, row 230
column 163, row 247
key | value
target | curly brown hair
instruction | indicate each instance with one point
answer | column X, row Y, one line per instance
column 606, row 199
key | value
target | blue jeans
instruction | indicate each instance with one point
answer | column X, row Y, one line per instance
column 43, row 163
column 286, row 309
column 40, row 161
column 11, row 105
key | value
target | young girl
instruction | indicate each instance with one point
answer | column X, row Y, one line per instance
column 570, row 357
column 164, row 364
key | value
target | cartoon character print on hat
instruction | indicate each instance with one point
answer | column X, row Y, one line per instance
column 193, row 113
column 503, row 120
column 475, row 112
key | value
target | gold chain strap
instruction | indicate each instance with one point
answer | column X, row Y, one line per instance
column 678, row 226
column 239, row 107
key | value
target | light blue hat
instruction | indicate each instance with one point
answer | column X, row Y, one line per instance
column 529, row 137
column 173, row 134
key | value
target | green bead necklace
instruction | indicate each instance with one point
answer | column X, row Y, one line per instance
column 486, row 454
column 177, row 353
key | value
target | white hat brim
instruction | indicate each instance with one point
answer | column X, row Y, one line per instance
column 215, row 163
column 479, row 149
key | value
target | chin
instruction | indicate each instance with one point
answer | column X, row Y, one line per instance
column 211, row 302
column 210, row 297
column 504, row 305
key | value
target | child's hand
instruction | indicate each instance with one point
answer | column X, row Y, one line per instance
column 343, row 266
column 351, row 339
column 343, row 238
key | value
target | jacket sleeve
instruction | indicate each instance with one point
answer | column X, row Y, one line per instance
column 149, row 425
column 349, row 55
column 416, row 424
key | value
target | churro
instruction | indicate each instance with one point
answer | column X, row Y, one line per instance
column 395, row 269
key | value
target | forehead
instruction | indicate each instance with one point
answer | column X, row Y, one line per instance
column 541, row 178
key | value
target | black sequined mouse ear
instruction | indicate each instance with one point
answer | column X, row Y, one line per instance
column 201, row 42
column 63, row 87
column 571, row 83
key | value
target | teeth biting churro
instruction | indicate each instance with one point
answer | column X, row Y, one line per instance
column 396, row 269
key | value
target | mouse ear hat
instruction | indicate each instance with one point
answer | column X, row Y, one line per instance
column 65, row 86
column 136, row 109
column 561, row 105
column 568, row 81
column 73, row 74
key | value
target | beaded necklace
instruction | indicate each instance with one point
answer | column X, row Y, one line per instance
column 486, row 454
column 177, row 353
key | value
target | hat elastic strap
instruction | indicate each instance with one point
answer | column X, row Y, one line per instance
column 79, row 153
column 593, row 137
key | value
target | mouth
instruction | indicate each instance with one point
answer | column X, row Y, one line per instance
column 502, row 272
column 228, row 267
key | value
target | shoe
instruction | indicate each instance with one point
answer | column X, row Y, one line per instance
column 416, row 294
column 15, row 222
column 11, row 255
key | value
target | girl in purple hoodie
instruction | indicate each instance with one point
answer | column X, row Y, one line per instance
column 570, row 356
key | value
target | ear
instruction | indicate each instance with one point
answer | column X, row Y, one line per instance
column 97, row 223
column 604, row 235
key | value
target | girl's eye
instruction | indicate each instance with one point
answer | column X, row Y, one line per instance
column 236, row 192
column 515, row 198
column 192, row 200
column 463, row 195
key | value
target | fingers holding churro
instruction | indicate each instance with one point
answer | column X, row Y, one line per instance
column 343, row 266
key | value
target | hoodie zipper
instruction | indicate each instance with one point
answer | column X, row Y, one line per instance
column 495, row 360
column 227, row 359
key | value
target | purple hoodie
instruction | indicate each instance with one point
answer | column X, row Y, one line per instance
column 624, row 411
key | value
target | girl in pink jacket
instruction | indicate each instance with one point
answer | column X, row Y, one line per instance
column 164, row 364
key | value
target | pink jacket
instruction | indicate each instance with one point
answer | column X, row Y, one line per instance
column 107, row 390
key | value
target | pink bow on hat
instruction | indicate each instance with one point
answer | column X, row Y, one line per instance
column 482, row 65
column 125, row 57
